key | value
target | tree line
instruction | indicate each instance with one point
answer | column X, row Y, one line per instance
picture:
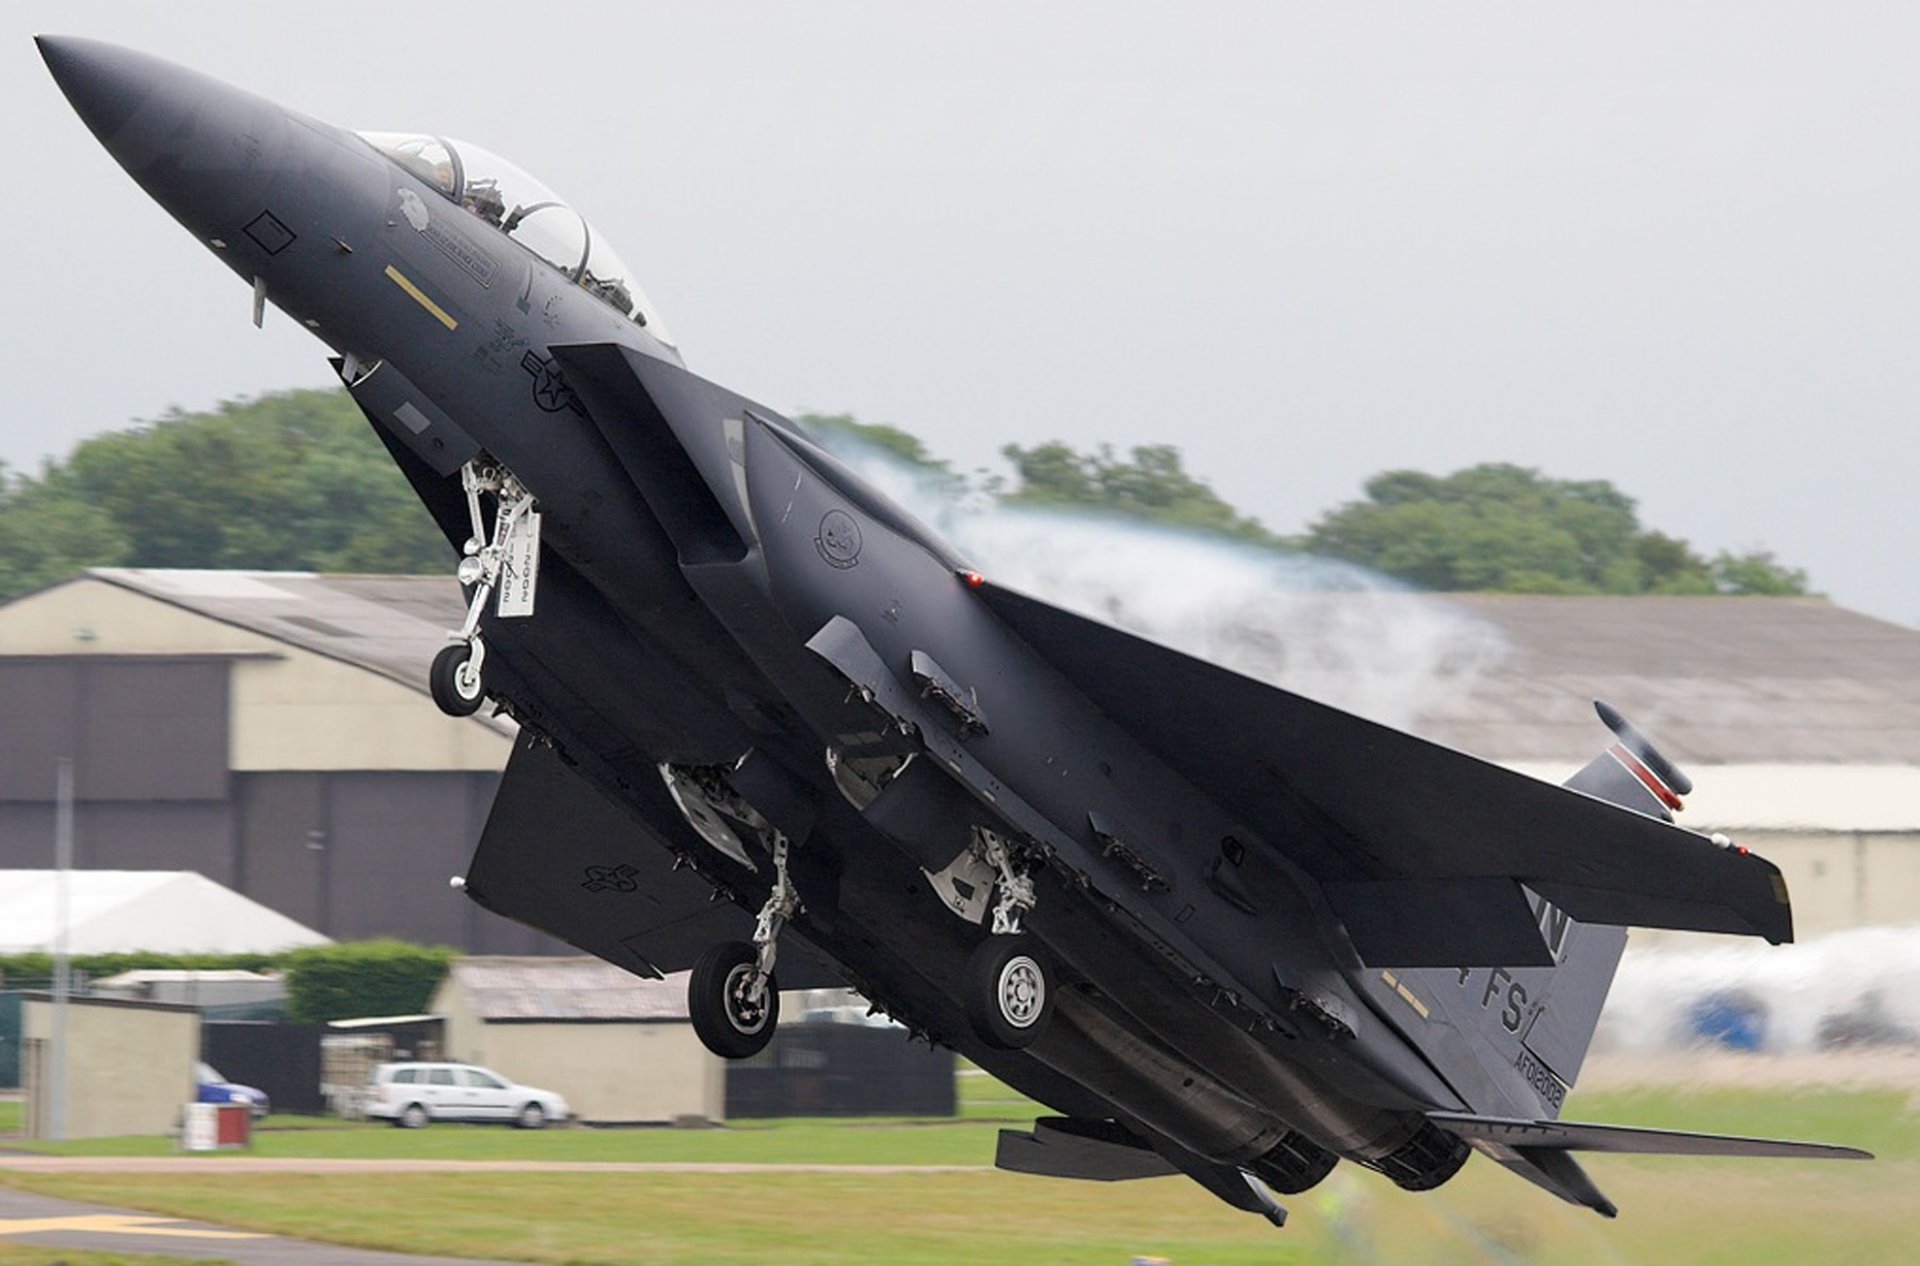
column 1494, row 527
column 297, row 481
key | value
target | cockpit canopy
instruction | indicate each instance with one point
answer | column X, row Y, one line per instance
column 525, row 210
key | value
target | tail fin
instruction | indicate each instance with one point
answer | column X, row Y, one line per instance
column 1524, row 1030
column 1634, row 775
column 1562, row 1003
column 1550, row 1014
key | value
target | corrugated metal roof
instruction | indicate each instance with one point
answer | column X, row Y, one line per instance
column 565, row 989
column 1713, row 680
column 1506, row 676
column 391, row 625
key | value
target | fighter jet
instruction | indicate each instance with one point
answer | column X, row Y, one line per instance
column 775, row 730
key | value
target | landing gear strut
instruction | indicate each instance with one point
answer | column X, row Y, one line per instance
column 1009, row 984
column 513, row 546
column 732, row 996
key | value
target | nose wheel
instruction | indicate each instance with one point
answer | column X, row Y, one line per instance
column 1009, row 992
column 454, row 678
column 509, row 554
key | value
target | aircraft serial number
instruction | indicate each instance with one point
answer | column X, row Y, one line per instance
column 1540, row 1078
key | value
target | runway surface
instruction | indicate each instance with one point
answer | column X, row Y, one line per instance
column 240, row 1163
column 26, row 1218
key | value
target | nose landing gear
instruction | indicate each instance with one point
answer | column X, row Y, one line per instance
column 454, row 678
column 510, row 554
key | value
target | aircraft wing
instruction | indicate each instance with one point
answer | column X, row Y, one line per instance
column 559, row 856
column 1395, row 827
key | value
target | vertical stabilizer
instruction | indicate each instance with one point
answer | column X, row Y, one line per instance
column 1523, row 1031
column 1566, row 998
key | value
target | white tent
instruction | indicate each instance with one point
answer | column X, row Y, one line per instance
column 162, row 911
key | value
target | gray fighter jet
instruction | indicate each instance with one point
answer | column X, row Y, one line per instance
column 1221, row 929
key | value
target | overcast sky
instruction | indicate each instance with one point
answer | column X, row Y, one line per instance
column 1673, row 246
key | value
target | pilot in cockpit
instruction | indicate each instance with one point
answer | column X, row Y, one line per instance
column 482, row 197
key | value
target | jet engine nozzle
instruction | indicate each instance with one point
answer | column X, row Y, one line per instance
column 202, row 149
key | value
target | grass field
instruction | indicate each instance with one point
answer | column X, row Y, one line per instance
column 1761, row 1213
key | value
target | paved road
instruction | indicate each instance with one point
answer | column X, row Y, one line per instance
column 231, row 1163
column 26, row 1218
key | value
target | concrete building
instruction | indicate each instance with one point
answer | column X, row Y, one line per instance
column 129, row 1065
column 619, row 1048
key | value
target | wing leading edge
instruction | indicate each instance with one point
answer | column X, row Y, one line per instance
column 1377, row 815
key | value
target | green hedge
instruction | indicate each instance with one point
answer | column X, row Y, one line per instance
column 37, row 969
column 335, row 982
column 326, row 982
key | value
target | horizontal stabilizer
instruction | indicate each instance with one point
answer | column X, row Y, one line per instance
column 1069, row 1147
column 1575, row 1136
column 1556, row 1171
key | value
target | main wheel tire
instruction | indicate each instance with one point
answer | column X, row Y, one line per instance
column 412, row 1117
column 531, row 1117
column 1009, row 992
column 728, row 1022
column 455, row 683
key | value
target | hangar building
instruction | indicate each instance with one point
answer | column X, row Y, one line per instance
column 269, row 730
column 272, row 731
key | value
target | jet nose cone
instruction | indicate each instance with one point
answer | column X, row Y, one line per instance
column 104, row 83
column 203, row 149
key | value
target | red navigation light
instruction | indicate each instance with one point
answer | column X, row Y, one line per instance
column 973, row 578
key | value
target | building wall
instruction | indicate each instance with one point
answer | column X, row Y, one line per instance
column 288, row 707
column 1845, row 879
column 129, row 1066
column 616, row 1071
column 310, row 712
column 609, row 1071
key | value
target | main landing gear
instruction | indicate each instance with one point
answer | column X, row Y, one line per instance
column 732, row 996
column 1009, row 992
column 510, row 553
column 1008, row 985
